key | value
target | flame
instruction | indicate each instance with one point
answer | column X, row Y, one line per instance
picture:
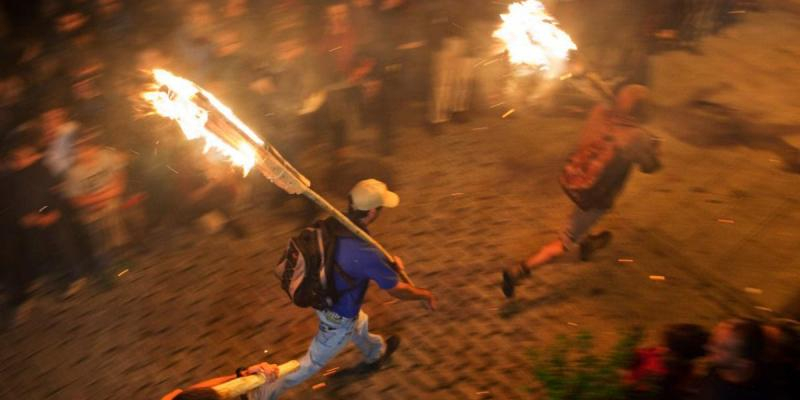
column 190, row 106
column 533, row 39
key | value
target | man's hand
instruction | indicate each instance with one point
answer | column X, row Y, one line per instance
column 430, row 301
column 270, row 371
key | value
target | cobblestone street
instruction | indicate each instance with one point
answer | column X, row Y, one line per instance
column 475, row 198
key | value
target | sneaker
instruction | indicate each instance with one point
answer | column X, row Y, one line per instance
column 593, row 243
column 392, row 343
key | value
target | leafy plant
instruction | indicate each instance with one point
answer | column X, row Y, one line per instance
column 571, row 371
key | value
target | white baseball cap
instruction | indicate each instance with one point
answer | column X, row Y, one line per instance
column 372, row 193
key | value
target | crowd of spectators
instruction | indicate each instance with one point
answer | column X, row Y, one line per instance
column 740, row 358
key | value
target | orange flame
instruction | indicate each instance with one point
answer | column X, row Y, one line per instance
column 533, row 39
column 190, row 106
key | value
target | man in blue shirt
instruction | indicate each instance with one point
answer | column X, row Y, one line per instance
column 359, row 264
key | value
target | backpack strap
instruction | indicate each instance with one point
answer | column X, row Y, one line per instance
column 332, row 230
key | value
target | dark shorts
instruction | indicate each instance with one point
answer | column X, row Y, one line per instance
column 580, row 222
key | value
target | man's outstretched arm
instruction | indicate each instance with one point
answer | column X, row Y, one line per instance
column 404, row 291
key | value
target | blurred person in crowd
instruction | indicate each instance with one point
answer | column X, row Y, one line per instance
column 292, row 87
column 736, row 353
column 668, row 371
column 377, row 107
column 194, row 39
column 89, row 99
column 612, row 143
column 366, row 16
column 74, row 31
column 114, row 25
column 95, row 184
column 43, row 233
column 207, row 191
column 338, row 55
column 452, row 82
column 59, row 137
column 782, row 359
column 403, row 46
column 13, row 99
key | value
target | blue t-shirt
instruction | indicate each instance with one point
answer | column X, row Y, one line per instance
column 362, row 263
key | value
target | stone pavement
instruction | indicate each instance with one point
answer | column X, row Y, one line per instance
column 473, row 199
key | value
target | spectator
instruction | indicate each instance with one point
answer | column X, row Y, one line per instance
column 668, row 371
column 45, row 234
column 736, row 354
column 95, row 184
column 206, row 190
column 115, row 27
column 782, row 359
column 59, row 137
column 194, row 39
column 88, row 98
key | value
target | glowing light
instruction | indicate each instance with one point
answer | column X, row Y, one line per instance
column 533, row 39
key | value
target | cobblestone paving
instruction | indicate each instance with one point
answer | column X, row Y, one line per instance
column 473, row 199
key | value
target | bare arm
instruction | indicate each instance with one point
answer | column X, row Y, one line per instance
column 404, row 291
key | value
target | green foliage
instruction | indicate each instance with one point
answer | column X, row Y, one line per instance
column 570, row 370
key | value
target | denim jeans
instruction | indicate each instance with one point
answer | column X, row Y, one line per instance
column 333, row 334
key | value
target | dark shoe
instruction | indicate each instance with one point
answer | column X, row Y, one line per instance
column 594, row 243
column 392, row 343
column 460, row 117
column 434, row 129
column 508, row 284
column 510, row 278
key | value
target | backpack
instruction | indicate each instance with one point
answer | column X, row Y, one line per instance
column 592, row 174
column 307, row 267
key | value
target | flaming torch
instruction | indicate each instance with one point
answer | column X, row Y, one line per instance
column 536, row 44
column 533, row 39
column 201, row 115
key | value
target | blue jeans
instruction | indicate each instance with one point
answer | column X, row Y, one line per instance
column 333, row 334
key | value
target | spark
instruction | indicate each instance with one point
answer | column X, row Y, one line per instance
column 726, row 221
column 319, row 386
column 509, row 112
column 123, row 272
column 657, row 278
